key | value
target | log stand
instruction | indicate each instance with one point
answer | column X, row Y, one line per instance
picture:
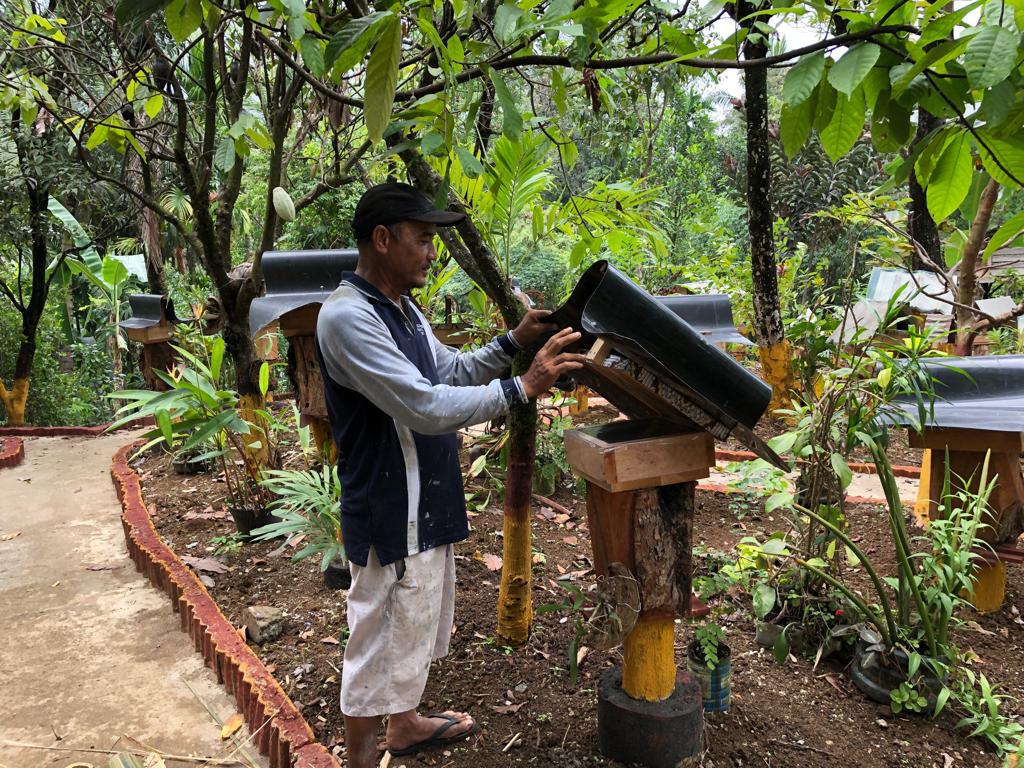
column 299, row 327
column 967, row 449
column 157, row 354
column 641, row 477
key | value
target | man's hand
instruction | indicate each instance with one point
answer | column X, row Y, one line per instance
column 532, row 327
column 551, row 362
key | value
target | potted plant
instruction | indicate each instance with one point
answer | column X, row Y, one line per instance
column 709, row 660
column 196, row 412
column 308, row 506
column 904, row 653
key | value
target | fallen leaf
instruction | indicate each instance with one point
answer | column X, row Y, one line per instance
column 207, row 581
column 511, row 709
column 560, row 519
column 572, row 541
column 207, row 514
column 55, row 584
column 329, row 640
column 154, row 760
column 559, row 568
column 947, row 761
column 231, row 725
column 9, row 536
column 581, row 654
column 208, row 564
column 271, row 668
column 493, row 562
column 547, row 513
column 306, row 634
column 539, row 558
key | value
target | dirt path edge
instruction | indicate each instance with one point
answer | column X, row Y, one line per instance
column 280, row 731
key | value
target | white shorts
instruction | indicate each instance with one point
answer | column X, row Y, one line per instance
column 397, row 626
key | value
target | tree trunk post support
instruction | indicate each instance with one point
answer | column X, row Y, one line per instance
column 299, row 327
column 967, row 449
column 641, row 477
column 157, row 353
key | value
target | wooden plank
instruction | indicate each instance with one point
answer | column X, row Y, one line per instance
column 1005, row 516
column 979, row 440
column 599, row 352
column 610, row 520
column 154, row 334
column 643, row 463
column 301, row 321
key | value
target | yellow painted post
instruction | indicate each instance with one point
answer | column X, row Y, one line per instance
column 579, row 394
column 990, row 586
column 649, row 667
column 922, row 506
column 777, row 371
column 248, row 405
column 323, row 439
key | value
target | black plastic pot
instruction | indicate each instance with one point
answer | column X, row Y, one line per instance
column 768, row 632
column 247, row 520
column 190, row 466
column 337, row 576
column 877, row 674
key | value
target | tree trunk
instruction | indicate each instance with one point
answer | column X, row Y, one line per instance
column 771, row 339
column 515, row 599
column 515, row 613
column 15, row 398
column 968, row 282
column 920, row 222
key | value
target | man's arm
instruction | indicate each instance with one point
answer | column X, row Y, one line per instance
column 359, row 353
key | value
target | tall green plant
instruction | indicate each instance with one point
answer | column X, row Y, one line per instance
column 197, row 413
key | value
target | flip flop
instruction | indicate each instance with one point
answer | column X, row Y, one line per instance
column 437, row 738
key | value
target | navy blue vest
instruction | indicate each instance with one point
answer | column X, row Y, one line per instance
column 374, row 470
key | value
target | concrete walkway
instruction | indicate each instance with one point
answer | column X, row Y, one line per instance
column 90, row 653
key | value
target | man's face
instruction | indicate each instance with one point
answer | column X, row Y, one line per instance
column 408, row 256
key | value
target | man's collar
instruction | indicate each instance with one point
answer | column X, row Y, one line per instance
column 368, row 289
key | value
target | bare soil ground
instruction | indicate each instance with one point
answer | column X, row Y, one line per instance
column 530, row 712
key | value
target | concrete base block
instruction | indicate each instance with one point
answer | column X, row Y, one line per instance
column 656, row 734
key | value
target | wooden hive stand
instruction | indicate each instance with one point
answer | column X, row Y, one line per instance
column 641, row 477
column 299, row 327
column 967, row 449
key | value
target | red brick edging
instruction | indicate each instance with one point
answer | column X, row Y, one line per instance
column 280, row 731
column 859, row 467
column 12, row 452
column 95, row 431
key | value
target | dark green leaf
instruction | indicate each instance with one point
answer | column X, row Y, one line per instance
column 381, row 79
column 130, row 13
column 795, row 125
column 1013, row 227
column 780, row 648
column 991, row 56
column 951, row 180
column 471, row 166
column 312, row 54
column 845, row 127
column 512, row 120
column 348, row 47
column 803, row 78
column 850, row 71
column 224, row 159
column 183, row 18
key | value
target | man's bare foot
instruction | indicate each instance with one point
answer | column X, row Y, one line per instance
column 409, row 731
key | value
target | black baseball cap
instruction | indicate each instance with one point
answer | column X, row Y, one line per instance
column 392, row 202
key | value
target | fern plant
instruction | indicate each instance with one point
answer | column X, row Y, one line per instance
column 308, row 504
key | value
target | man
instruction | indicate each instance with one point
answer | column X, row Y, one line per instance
column 396, row 397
